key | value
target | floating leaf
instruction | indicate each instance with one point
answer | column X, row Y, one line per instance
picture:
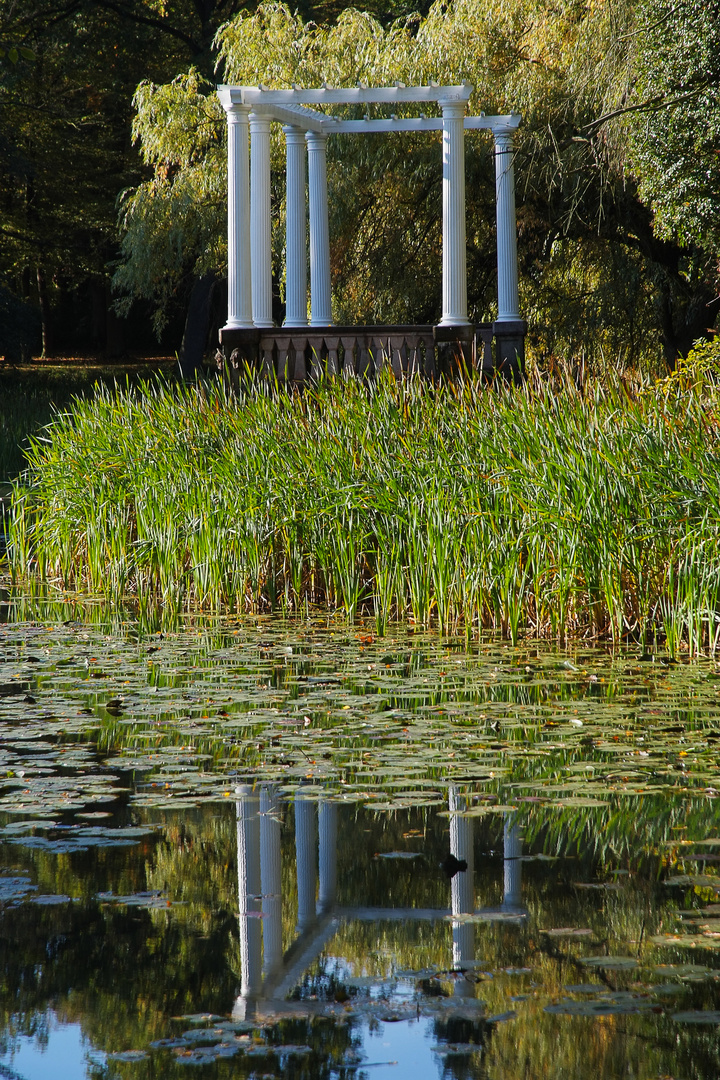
column 697, row 1016
column 610, row 963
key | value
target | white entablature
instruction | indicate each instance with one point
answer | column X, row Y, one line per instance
column 252, row 108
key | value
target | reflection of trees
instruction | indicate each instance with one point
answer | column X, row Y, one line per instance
column 122, row 972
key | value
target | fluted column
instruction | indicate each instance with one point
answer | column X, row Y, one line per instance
column 295, row 228
column 306, row 856
column 462, row 889
column 327, row 827
column 512, row 866
column 320, row 297
column 507, row 269
column 454, row 290
column 270, row 878
column 248, row 860
column 260, row 252
column 238, row 183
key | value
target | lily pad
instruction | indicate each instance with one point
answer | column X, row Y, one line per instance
column 610, row 963
column 697, row 1016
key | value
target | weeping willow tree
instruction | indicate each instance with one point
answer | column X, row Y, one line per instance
column 597, row 278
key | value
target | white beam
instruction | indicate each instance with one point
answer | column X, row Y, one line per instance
column 422, row 123
column 307, row 119
column 389, row 95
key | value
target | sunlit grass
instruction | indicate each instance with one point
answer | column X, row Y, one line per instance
column 592, row 514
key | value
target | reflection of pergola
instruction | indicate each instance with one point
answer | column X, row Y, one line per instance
column 268, row 974
column 249, row 244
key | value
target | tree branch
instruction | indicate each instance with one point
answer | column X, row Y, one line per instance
column 653, row 105
column 147, row 20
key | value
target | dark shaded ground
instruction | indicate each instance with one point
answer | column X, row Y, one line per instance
column 30, row 392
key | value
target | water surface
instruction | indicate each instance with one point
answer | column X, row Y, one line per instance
column 259, row 849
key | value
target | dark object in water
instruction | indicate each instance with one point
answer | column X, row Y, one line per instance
column 451, row 865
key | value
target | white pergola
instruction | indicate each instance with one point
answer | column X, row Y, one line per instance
column 250, row 111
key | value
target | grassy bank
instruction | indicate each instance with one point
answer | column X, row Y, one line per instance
column 31, row 393
column 561, row 514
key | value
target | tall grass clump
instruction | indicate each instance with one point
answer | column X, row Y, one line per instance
column 593, row 513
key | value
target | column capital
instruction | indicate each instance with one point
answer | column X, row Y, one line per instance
column 504, row 139
column 294, row 134
column 316, row 140
column 236, row 114
column 259, row 123
column 453, row 110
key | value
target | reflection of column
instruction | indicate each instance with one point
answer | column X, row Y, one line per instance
column 507, row 270
column 295, row 229
column 270, row 878
column 462, row 891
column 454, row 286
column 512, row 898
column 306, row 854
column 248, row 857
column 239, row 288
column 328, row 856
column 320, row 305
column 260, row 219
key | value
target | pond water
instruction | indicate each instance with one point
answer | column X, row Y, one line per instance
column 260, row 849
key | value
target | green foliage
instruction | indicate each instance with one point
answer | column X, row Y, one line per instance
column 398, row 500
column 594, row 280
column 674, row 138
column 174, row 222
column 699, row 370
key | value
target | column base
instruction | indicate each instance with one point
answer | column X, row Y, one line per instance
column 510, row 349
column 454, row 349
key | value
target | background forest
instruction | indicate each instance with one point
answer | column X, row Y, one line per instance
column 112, row 167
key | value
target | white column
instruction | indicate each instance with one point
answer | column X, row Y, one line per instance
column 462, row 889
column 512, row 866
column 306, row 856
column 507, row 270
column 327, row 827
column 296, row 228
column 260, row 219
column 270, row 879
column 454, row 291
column 238, row 183
column 248, row 859
column 320, row 306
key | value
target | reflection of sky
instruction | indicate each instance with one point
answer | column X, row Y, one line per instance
column 65, row 1056
column 406, row 1042
column 395, row 1051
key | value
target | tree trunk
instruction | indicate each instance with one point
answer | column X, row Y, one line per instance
column 47, row 342
column 197, row 326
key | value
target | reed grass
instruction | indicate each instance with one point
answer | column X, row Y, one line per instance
column 526, row 511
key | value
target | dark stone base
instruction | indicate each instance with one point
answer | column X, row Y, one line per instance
column 510, row 350
column 296, row 354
